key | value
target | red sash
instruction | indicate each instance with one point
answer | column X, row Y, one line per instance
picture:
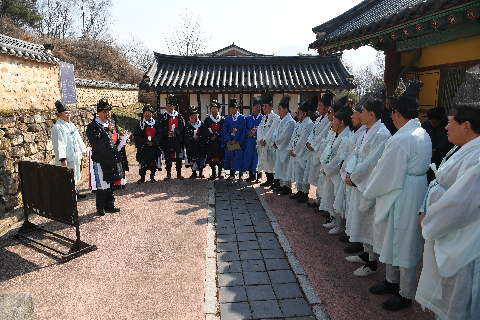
column 151, row 132
column 171, row 122
column 115, row 136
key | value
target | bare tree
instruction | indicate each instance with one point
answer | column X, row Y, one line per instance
column 58, row 18
column 188, row 38
column 137, row 53
column 369, row 78
column 95, row 18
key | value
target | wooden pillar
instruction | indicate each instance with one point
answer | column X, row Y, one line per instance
column 392, row 69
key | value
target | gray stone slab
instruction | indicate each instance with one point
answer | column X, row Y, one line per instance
column 282, row 276
column 263, row 229
column 261, row 292
column 250, row 255
column 252, row 201
column 229, row 266
column 246, row 236
column 229, row 230
column 260, row 222
column 253, row 265
column 243, row 222
column 266, row 236
column 273, row 254
column 230, row 279
column 227, row 246
column 252, row 278
column 228, row 256
column 241, row 216
column 287, row 290
column 232, row 294
column 268, row 245
column 277, row 264
column 235, row 311
column 225, row 224
column 223, row 216
column 244, row 229
column 265, row 309
column 248, row 245
column 295, row 307
column 226, row 238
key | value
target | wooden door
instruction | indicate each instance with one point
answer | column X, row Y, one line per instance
column 183, row 105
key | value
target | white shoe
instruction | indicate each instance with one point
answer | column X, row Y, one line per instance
column 330, row 225
column 354, row 259
column 364, row 271
column 335, row 230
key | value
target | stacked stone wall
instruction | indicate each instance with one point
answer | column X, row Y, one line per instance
column 147, row 97
column 27, row 84
column 88, row 96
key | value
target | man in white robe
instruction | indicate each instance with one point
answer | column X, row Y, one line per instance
column 450, row 216
column 298, row 170
column 281, row 139
column 67, row 143
column 265, row 149
column 398, row 184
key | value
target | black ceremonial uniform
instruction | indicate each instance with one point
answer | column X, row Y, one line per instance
column 148, row 157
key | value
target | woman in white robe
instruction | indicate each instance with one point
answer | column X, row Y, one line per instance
column 450, row 280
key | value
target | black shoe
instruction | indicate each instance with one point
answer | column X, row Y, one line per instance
column 101, row 212
column 354, row 248
column 113, row 209
column 81, row 196
column 396, row 302
column 266, row 183
column 296, row 195
column 286, row 191
column 325, row 214
column 303, row 198
column 344, row 239
column 385, row 287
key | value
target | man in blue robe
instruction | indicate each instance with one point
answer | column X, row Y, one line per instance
column 250, row 159
column 233, row 140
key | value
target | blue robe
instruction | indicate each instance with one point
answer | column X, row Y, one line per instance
column 234, row 130
column 250, row 158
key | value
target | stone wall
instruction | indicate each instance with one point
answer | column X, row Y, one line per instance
column 27, row 84
column 148, row 97
column 28, row 137
column 119, row 95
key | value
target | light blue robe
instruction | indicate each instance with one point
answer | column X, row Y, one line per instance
column 250, row 158
column 297, row 171
column 68, row 144
column 234, row 130
column 317, row 141
column 399, row 184
column 281, row 138
column 266, row 154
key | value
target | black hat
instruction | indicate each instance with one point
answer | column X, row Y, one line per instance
column 215, row 104
column 172, row 100
column 233, row 103
column 327, row 98
column 256, row 101
column 285, row 102
column 267, row 98
column 362, row 101
column 469, row 93
column 304, row 106
column 61, row 106
column 148, row 107
column 314, row 103
column 406, row 93
column 340, row 103
column 192, row 110
column 103, row 104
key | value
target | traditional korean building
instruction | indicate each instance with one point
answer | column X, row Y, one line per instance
column 233, row 72
column 433, row 40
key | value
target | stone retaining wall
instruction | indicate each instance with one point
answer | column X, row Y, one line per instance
column 119, row 95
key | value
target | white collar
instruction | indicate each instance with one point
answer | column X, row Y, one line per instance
column 459, row 151
column 253, row 116
column 217, row 119
column 174, row 114
column 235, row 116
column 197, row 124
column 100, row 122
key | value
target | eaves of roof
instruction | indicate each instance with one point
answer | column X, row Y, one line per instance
column 26, row 50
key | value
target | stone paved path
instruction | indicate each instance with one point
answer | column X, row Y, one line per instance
column 258, row 275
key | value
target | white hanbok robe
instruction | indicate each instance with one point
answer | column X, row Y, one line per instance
column 399, row 184
column 298, row 145
column 318, row 144
column 361, row 216
column 342, row 200
column 68, row 144
column 266, row 161
column 450, row 281
column 281, row 137
column 331, row 163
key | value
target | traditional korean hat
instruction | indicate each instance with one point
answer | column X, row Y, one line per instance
column 103, row 104
column 469, row 93
column 193, row 110
column 233, row 103
column 327, row 98
column 172, row 100
column 304, row 106
column 215, row 104
column 407, row 93
column 362, row 101
column 314, row 103
column 340, row 103
column 61, row 106
column 148, row 107
column 285, row 102
column 267, row 98
column 256, row 101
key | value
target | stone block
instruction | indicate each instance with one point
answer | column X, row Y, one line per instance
column 2, row 133
column 17, row 152
column 37, row 118
column 34, row 127
column 5, row 144
column 7, row 122
column 49, row 146
column 30, row 148
column 12, row 131
column 40, row 136
column 16, row 139
column 11, row 201
column 21, row 126
column 16, row 306
column 39, row 156
column 27, row 119
column 29, row 137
